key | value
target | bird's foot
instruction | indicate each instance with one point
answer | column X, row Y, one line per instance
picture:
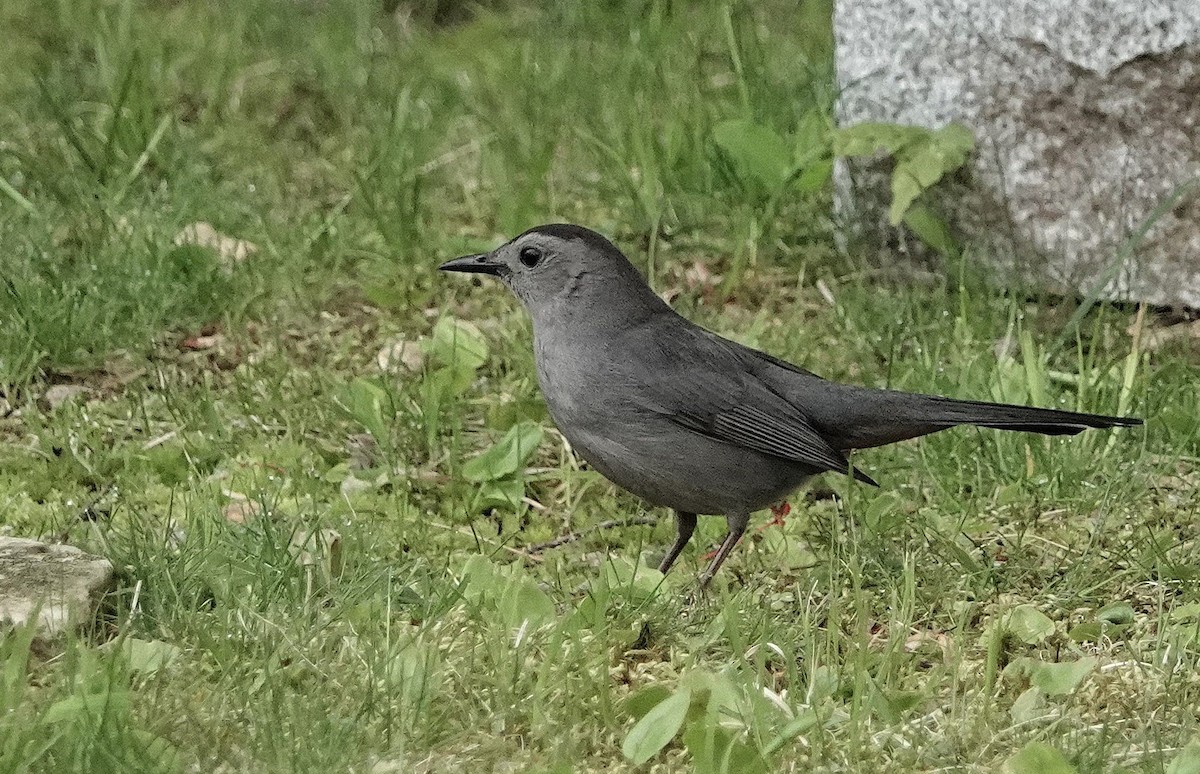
column 779, row 512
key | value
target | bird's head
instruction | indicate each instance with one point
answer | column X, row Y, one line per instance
column 556, row 263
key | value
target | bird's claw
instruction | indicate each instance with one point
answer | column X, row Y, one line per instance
column 779, row 512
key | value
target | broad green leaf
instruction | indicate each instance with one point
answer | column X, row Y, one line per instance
column 716, row 750
column 1028, row 624
column 447, row 382
column 523, row 601
column 149, row 656
column 1088, row 631
column 756, row 151
column 741, row 758
column 905, row 189
column 1116, row 613
column 509, row 591
column 956, row 138
column 158, row 754
column 721, row 693
column 1189, row 612
column 639, row 581
column 891, row 706
column 923, row 162
column 1029, row 705
column 364, row 401
column 508, row 456
column 787, row 552
column 931, row 230
column 1187, row 761
column 457, row 343
column 413, row 676
column 480, row 575
column 922, row 157
column 812, row 138
column 702, row 745
column 815, row 176
column 95, row 705
column 503, row 493
column 883, row 513
column 867, row 139
column 1038, row 758
column 824, row 684
column 1061, row 678
column 1014, row 492
column 657, row 728
column 645, row 700
column 337, row 474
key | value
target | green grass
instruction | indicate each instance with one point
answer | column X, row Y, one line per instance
column 356, row 150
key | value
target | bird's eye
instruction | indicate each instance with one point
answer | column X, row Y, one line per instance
column 530, row 256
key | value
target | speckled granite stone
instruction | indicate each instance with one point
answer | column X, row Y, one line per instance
column 1087, row 117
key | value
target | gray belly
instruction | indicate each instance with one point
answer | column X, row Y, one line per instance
column 671, row 466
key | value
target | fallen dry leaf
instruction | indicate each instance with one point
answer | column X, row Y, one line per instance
column 119, row 370
column 240, row 508
column 363, row 451
column 422, row 475
column 353, row 485
column 230, row 249
column 308, row 547
column 401, row 354
column 198, row 343
column 698, row 276
column 825, row 292
column 1154, row 339
column 919, row 639
column 695, row 277
column 59, row 394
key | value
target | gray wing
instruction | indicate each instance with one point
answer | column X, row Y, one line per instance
column 704, row 384
column 789, row 437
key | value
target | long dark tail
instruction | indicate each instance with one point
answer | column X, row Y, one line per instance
column 1030, row 419
column 851, row 417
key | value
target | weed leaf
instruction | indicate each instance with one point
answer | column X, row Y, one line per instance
column 657, row 728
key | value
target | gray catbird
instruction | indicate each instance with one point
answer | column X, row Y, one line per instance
column 686, row 419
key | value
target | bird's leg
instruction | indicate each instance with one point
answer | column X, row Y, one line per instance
column 737, row 525
column 685, row 525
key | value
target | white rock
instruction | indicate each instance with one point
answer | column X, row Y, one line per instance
column 58, row 584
